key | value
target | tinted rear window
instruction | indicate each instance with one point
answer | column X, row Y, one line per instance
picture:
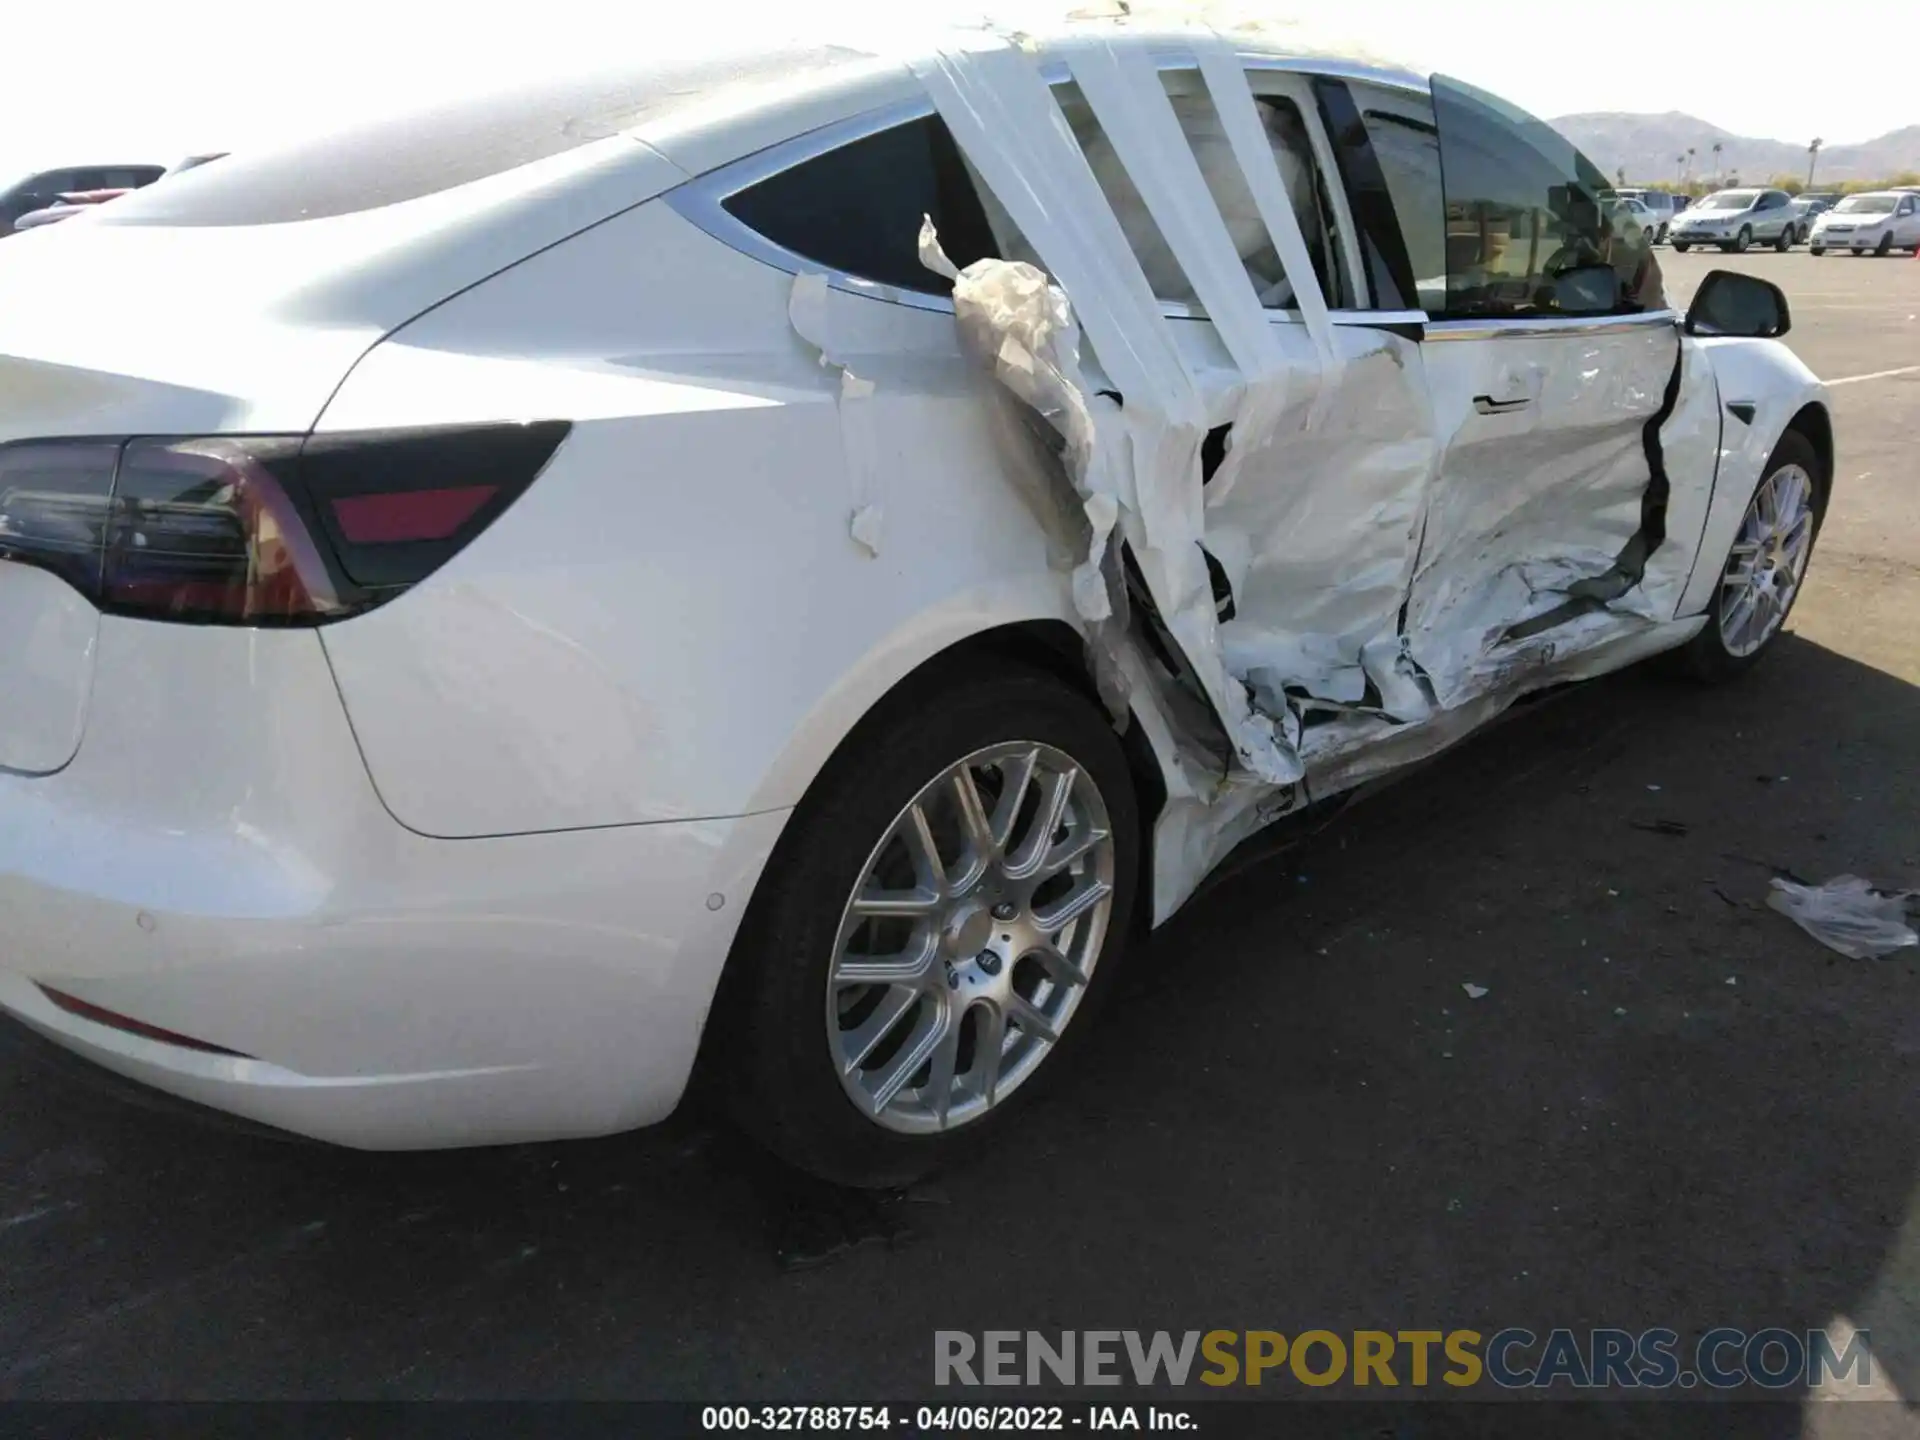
column 405, row 158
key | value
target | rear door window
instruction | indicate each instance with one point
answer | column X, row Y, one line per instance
column 1300, row 172
column 857, row 208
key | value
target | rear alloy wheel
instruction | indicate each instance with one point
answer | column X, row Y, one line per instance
column 1765, row 565
column 936, row 928
column 1785, row 242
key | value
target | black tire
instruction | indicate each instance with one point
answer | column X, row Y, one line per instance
column 775, row 1067
column 1816, row 249
column 1786, row 240
column 1706, row 657
column 1681, row 247
column 1743, row 242
column 1885, row 247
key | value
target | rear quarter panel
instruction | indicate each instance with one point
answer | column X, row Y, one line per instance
column 676, row 621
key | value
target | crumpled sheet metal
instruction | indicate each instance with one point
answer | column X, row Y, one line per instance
column 1318, row 572
column 1145, row 456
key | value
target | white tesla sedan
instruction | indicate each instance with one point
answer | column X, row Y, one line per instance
column 783, row 560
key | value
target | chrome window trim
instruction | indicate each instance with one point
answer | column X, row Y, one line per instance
column 702, row 200
column 1493, row 328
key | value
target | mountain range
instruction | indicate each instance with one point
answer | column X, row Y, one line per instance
column 1647, row 144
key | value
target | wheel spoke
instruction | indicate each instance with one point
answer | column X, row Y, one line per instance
column 927, row 864
column 973, row 815
column 1058, row 967
column 1053, row 810
column 946, row 1056
column 901, row 1068
column 1069, row 850
column 1077, row 902
column 909, row 967
column 1018, row 776
column 1739, row 615
column 896, row 904
column 989, row 1040
column 857, row 1044
column 1024, row 1013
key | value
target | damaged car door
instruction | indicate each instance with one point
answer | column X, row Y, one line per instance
column 1552, row 349
column 1311, row 503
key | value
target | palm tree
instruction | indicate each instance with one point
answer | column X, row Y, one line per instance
column 1620, row 174
column 1680, row 169
column 1690, row 154
column 1717, row 148
column 1813, row 158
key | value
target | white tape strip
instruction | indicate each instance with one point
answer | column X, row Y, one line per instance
column 1138, row 118
column 1233, row 100
column 1004, row 117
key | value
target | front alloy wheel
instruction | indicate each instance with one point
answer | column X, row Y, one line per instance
column 971, row 937
column 1743, row 241
column 1765, row 565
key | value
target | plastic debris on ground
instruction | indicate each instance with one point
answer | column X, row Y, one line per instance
column 1474, row 992
column 1848, row 914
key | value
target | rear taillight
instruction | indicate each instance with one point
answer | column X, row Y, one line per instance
column 260, row 530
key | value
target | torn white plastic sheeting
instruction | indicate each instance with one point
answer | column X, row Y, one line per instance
column 1848, row 914
column 1013, row 319
column 807, row 312
column 1146, row 450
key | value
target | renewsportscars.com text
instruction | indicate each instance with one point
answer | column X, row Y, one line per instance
column 1512, row 1359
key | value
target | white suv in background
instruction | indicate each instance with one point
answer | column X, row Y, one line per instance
column 1661, row 204
column 1736, row 220
column 1880, row 222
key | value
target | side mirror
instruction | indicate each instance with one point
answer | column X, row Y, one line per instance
column 1731, row 302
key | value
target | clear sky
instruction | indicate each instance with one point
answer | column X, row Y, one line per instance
column 131, row 80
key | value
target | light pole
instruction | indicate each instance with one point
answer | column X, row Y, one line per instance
column 1813, row 158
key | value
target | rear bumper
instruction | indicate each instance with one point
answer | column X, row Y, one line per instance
column 215, row 862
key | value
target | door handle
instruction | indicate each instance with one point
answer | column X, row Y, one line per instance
column 1487, row 405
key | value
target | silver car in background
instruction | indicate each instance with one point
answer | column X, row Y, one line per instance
column 1737, row 220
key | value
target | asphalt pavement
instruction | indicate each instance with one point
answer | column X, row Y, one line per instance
column 1670, row 1107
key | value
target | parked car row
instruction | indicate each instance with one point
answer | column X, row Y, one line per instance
column 1739, row 219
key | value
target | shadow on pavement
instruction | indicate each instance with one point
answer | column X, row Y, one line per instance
column 1670, row 1108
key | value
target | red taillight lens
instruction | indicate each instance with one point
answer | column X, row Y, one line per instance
column 260, row 530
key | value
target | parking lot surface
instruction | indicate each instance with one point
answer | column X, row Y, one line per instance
column 1670, row 1108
